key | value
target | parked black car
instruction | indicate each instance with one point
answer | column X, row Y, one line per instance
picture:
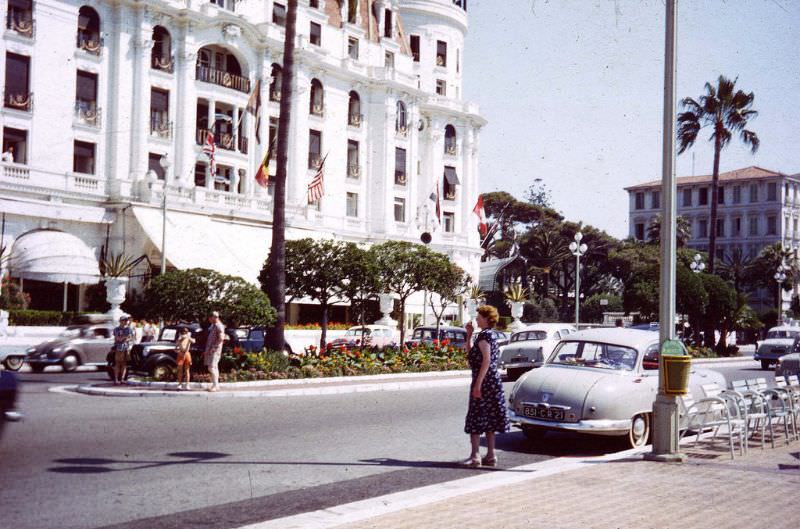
column 77, row 345
column 8, row 398
column 456, row 336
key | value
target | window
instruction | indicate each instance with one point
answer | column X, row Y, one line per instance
column 399, row 209
column 315, row 34
column 352, row 205
column 279, row 15
column 737, row 226
column 200, row 175
column 441, row 53
column 639, row 231
column 275, row 81
column 316, row 101
column 399, row 166
column 17, row 93
column 415, row 47
column 450, row 140
column 83, row 157
column 449, row 220
column 222, row 180
column 794, row 228
column 753, row 226
column 772, row 225
column 721, row 195
column 161, row 53
column 720, row 227
column 159, row 112
column 273, row 132
column 737, row 194
column 86, row 110
column 450, row 183
column 352, row 48
column 89, row 31
column 702, row 228
column 15, row 143
column 702, row 198
column 655, row 199
column 154, row 164
column 441, row 87
column 352, row 159
column 772, row 191
column 314, row 148
column 388, row 59
column 20, row 17
column 314, row 4
column 401, row 119
column 639, row 200
column 352, row 11
column 753, row 193
column 354, row 110
column 387, row 24
column 687, row 198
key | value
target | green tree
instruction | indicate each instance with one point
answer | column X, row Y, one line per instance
column 592, row 310
column 276, row 288
column 360, row 279
column 734, row 267
column 722, row 310
column 448, row 281
column 726, row 111
column 191, row 295
column 682, row 234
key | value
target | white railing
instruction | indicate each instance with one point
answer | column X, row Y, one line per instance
column 16, row 171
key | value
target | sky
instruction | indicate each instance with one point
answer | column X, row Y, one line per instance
column 573, row 93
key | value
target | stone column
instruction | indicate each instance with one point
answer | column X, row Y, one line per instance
column 468, row 192
column 142, row 46
column 185, row 102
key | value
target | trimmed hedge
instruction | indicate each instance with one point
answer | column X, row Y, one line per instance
column 40, row 317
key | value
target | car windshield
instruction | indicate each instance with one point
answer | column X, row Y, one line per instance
column 423, row 334
column 71, row 332
column 782, row 334
column 593, row 354
column 529, row 335
column 357, row 332
column 169, row 334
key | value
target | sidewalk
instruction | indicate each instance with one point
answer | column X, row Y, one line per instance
column 616, row 491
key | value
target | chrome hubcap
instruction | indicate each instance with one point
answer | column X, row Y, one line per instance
column 69, row 363
column 638, row 429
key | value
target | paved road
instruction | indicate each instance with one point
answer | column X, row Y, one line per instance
column 80, row 461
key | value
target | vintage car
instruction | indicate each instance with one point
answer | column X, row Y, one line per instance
column 597, row 381
column 365, row 336
column 456, row 336
column 789, row 364
column 530, row 346
column 77, row 345
column 778, row 343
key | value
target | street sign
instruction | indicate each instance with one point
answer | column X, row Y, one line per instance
column 672, row 348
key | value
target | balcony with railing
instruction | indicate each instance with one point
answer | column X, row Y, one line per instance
column 207, row 74
column 21, row 22
column 450, row 149
column 18, row 100
column 318, row 109
column 241, row 144
column 314, row 160
column 160, row 126
column 274, row 95
column 89, row 42
column 223, row 140
column 402, row 131
column 164, row 64
column 400, row 178
column 87, row 113
column 355, row 120
column 353, row 170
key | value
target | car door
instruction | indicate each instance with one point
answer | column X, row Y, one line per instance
column 98, row 343
column 255, row 341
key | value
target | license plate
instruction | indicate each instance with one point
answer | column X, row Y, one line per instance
column 520, row 359
column 543, row 412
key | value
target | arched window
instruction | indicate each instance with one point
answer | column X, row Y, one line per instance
column 217, row 65
column 354, row 110
column 20, row 17
column 401, row 121
column 275, row 81
column 316, row 101
column 161, row 55
column 450, row 140
column 89, row 30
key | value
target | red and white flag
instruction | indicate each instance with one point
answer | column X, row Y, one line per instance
column 478, row 210
column 210, row 150
column 315, row 187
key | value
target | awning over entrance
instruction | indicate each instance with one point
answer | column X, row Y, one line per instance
column 54, row 256
column 50, row 210
column 451, row 176
column 198, row 241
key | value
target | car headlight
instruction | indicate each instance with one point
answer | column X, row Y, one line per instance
column 30, row 350
column 57, row 349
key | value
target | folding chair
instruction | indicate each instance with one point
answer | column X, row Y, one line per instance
column 714, row 412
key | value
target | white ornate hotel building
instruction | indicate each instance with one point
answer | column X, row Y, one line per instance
column 107, row 104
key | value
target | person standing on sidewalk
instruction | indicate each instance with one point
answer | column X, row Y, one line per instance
column 123, row 338
column 487, row 403
column 183, row 348
column 213, row 351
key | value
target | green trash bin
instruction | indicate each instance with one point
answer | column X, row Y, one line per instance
column 675, row 372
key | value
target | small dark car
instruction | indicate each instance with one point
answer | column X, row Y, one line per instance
column 456, row 336
column 77, row 345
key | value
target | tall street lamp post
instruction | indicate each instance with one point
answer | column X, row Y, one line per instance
column 697, row 265
column 780, row 277
column 577, row 250
column 166, row 163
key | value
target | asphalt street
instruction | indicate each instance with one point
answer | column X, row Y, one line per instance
column 82, row 462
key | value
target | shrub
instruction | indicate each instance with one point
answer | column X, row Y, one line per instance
column 40, row 317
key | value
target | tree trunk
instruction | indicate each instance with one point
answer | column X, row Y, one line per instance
column 402, row 320
column 712, row 237
column 277, row 255
column 324, row 325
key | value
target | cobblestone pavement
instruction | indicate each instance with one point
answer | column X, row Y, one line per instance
column 756, row 490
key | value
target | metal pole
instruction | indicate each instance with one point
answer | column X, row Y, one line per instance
column 665, row 408
column 164, row 230
column 577, row 288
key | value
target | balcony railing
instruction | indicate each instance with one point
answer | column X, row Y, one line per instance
column 165, row 64
column 241, row 144
column 402, row 131
column 223, row 78
column 90, row 42
column 354, row 120
column 400, row 178
column 274, row 95
column 223, row 140
column 160, row 127
column 18, row 100
column 317, row 110
column 87, row 114
column 449, row 192
column 20, row 22
column 314, row 160
column 16, row 171
column 353, row 170
column 451, row 150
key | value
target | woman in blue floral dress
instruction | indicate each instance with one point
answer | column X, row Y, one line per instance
column 487, row 403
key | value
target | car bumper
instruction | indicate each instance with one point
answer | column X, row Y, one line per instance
column 43, row 361
column 519, row 365
column 769, row 355
column 592, row 426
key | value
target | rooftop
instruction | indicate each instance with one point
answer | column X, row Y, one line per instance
column 746, row 173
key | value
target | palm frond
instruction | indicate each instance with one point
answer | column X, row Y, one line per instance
column 118, row 265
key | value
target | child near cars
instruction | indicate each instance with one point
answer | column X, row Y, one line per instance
column 183, row 346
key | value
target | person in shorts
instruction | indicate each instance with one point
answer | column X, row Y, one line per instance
column 183, row 348
column 123, row 338
column 213, row 351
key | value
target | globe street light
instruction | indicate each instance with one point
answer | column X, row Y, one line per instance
column 780, row 277
column 165, row 163
column 697, row 265
column 577, row 250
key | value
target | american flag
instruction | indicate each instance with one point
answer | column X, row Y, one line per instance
column 209, row 149
column 315, row 190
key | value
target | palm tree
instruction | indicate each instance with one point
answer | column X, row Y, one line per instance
column 734, row 267
column 682, row 234
column 727, row 112
column 276, row 289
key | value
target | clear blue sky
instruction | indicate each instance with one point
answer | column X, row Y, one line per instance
column 573, row 91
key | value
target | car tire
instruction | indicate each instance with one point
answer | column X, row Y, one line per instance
column 70, row 362
column 14, row 363
column 37, row 368
column 163, row 371
column 639, row 433
column 765, row 364
column 534, row 434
